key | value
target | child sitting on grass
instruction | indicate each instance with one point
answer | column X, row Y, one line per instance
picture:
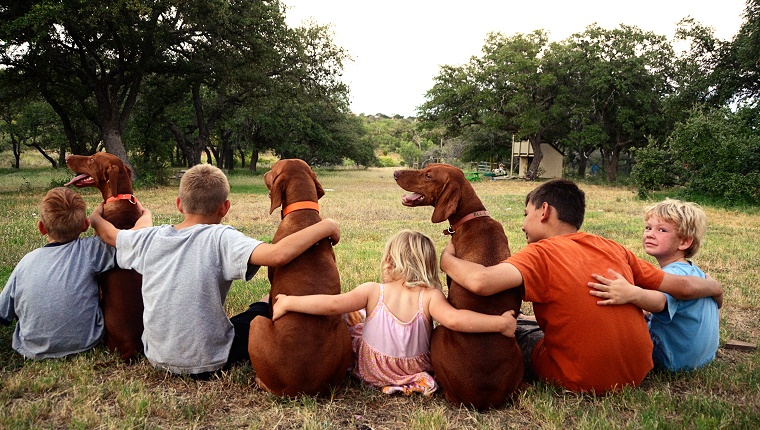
column 53, row 291
column 392, row 345
column 188, row 269
column 684, row 332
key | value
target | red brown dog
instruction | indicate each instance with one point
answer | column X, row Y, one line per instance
column 300, row 354
column 480, row 370
column 120, row 290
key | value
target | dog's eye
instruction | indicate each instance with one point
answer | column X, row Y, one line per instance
column 428, row 176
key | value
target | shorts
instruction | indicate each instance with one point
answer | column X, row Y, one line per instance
column 528, row 334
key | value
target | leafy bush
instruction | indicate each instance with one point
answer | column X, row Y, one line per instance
column 655, row 168
column 714, row 153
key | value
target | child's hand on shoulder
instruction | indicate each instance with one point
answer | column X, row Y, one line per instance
column 510, row 324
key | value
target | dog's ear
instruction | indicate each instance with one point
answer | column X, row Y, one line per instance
column 275, row 194
column 113, row 179
column 320, row 190
column 446, row 203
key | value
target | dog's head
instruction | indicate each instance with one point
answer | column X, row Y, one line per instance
column 102, row 170
column 437, row 185
column 290, row 181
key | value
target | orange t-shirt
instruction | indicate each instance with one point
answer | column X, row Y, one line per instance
column 586, row 347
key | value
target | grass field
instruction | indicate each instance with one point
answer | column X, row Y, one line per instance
column 95, row 390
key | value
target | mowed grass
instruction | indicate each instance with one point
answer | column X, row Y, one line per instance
column 95, row 390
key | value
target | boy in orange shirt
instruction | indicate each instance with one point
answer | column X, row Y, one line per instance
column 577, row 344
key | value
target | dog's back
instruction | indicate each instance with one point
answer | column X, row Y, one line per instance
column 299, row 353
column 481, row 370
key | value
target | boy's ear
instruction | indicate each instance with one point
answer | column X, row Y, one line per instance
column 178, row 202
column 41, row 228
column 546, row 209
column 86, row 225
column 224, row 208
column 685, row 244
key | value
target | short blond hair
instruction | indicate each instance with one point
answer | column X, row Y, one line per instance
column 411, row 256
column 688, row 218
column 63, row 213
column 202, row 189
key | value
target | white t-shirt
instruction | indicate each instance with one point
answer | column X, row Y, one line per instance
column 187, row 274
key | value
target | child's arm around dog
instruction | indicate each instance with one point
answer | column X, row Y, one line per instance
column 266, row 254
column 455, row 319
column 108, row 232
column 293, row 245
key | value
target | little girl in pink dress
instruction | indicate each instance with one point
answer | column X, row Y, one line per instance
column 393, row 345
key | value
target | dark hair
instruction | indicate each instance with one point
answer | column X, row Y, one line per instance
column 564, row 196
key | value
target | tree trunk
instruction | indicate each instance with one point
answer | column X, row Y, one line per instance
column 45, row 154
column 611, row 163
column 16, row 145
column 190, row 151
column 535, row 143
column 582, row 162
column 254, row 160
column 242, row 156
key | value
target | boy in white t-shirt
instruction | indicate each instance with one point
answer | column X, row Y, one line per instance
column 188, row 269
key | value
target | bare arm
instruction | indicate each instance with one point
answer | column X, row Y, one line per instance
column 146, row 218
column 468, row 321
column 692, row 287
column 321, row 304
column 108, row 232
column 618, row 291
column 291, row 246
column 479, row 279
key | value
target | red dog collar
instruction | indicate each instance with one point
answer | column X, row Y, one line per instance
column 297, row 206
column 130, row 197
column 450, row 231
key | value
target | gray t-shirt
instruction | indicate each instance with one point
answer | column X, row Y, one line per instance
column 53, row 292
column 187, row 274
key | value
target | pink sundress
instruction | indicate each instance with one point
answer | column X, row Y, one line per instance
column 394, row 355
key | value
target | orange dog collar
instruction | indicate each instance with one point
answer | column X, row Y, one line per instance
column 130, row 197
column 452, row 229
column 297, row 206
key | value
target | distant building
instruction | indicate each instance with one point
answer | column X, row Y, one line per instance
column 552, row 162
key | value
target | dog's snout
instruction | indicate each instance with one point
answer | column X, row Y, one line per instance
column 396, row 173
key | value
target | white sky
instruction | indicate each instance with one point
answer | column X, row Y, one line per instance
column 398, row 46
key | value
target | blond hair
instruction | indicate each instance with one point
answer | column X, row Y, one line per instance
column 202, row 189
column 688, row 218
column 411, row 256
column 63, row 213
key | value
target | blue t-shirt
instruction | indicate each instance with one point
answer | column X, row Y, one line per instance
column 53, row 292
column 685, row 333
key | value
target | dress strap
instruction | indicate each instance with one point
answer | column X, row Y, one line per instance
column 382, row 293
column 419, row 301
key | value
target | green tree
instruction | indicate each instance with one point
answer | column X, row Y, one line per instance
column 91, row 53
column 510, row 90
column 622, row 79
column 738, row 67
